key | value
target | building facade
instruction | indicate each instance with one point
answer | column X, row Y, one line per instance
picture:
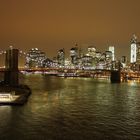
column 112, row 49
column 35, row 58
column 74, row 55
column 61, row 58
column 133, row 55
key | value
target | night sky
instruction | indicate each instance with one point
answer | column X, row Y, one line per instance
column 54, row 24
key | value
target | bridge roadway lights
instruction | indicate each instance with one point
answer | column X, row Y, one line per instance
column 115, row 77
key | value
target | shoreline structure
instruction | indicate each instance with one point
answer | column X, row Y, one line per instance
column 11, row 92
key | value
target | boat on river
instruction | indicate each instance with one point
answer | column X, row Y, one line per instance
column 8, row 97
column 71, row 74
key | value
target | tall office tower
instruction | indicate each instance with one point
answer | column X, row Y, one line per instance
column 98, row 55
column 124, row 59
column 138, row 52
column 81, row 52
column 112, row 49
column 108, row 55
column 91, row 51
column 11, row 67
column 87, row 61
column 34, row 58
column 108, row 59
column 74, row 55
column 61, row 57
column 47, row 63
column 133, row 56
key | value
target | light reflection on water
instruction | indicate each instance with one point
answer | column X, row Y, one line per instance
column 74, row 108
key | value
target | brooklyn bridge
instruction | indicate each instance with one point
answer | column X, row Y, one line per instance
column 73, row 72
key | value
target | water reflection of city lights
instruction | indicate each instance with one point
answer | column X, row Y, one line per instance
column 133, row 82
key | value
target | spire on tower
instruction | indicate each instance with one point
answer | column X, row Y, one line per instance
column 11, row 47
column 134, row 39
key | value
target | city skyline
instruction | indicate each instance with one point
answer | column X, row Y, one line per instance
column 51, row 25
column 83, row 49
column 69, row 69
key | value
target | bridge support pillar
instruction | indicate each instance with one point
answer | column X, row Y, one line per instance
column 115, row 77
column 11, row 67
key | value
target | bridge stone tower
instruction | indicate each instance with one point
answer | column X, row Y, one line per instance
column 116, row 74
column 11, row 67
column 115, row 77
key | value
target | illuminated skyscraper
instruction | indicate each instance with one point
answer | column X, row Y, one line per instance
column 87, row 61
column 92, row 51
column 98, row 55
column 112, row 49
column 124, row 59
column 108, row 56
column 133, row 49
column 138, row 52
column 34, row 58
column 61, row 57
column 47, row 63
column 74, row 55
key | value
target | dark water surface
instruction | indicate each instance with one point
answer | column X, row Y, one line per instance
column 73, row 109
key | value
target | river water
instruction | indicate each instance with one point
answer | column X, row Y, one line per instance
column 73, row 109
